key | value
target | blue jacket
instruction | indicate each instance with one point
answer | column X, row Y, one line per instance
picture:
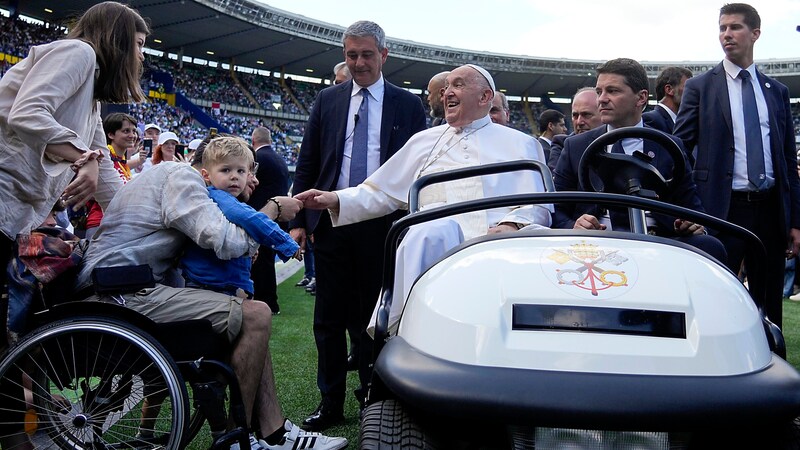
column 202, row 267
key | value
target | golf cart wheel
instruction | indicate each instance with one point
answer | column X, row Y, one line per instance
column 386, row 425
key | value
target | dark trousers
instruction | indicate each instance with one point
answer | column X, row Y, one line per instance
column 349, row 269
column 762, row 217
column 265, row 287
column 13, row 404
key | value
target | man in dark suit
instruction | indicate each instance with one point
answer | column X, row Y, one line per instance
column 669, row 90
column 354, row 127
column 273, row 180
column 551, row 123
column 585, row 117
column 622, row 93
column 745, row 174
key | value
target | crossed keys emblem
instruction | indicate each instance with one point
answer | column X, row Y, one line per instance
column 590, row 275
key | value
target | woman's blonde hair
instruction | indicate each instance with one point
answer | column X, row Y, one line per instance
column 110, row 28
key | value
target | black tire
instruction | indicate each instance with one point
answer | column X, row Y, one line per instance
column 386, row 425
column 84, row 382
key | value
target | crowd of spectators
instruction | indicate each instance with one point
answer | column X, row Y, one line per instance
column 17, row 36
column 216, row 84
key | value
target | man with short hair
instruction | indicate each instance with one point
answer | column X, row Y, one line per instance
column 470, row 139
column 669, row 90
column 737, row 123
column 585, row 117
column 621, row 94
column 500, row 112
column 435, row 89
column 353, row 128
column 551, row 123
column 273, row 176
column 143, row 225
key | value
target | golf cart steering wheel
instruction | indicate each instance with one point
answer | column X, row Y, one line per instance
column 620, row 173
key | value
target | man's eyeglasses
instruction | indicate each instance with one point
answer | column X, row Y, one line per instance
column 254, row 169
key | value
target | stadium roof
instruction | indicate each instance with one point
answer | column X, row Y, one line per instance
column 251, row 34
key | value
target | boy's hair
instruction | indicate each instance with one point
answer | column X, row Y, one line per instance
column 222, row 148
column 113, row 123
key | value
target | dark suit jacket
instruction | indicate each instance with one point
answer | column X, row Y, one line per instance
column 321, row 152
column 705, row 127
column 545, row 147
column 273, row 177
column 659, row 119
column 555, row 150
column 566, row 179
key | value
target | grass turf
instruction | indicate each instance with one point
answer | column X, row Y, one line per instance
column 295, row 358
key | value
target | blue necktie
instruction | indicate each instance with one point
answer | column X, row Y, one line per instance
column 752, row 131
column 358, row 157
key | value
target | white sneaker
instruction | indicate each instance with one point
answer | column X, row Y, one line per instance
column 254, row 444
column 298, row 439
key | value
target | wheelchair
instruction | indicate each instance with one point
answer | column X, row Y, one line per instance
column 97, row 375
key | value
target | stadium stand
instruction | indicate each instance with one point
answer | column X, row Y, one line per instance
column 230, row 90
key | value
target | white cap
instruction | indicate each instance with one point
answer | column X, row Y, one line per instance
column 152, row 125
column 168, row 136
column 194, row 144
column 485, row 74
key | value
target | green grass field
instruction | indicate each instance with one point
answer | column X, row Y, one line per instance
column 295, row 357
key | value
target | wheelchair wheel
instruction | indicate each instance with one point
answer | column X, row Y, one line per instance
column 92, row 382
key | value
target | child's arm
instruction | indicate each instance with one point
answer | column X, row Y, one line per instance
column 260, row 227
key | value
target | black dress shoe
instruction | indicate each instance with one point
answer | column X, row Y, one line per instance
column 323, row 418
column 352, row 363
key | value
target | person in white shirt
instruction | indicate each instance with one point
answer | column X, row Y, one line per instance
column 469, row 139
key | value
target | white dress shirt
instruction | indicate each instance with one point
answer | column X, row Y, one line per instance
column 376, row 91
column 740, row 180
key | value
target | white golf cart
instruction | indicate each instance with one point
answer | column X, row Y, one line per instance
column 575, row 339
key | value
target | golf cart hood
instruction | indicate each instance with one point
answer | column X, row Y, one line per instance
column 586, row 302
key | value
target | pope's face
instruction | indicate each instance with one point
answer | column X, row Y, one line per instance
column 466, row 98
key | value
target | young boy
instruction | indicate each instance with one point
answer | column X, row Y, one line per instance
column 226, row 165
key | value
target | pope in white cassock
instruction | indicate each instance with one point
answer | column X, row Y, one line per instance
column 468, row 139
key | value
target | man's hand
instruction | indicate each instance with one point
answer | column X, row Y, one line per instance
column 299, row 236
column 588, row 222
column 794, row 243
column 288, row 209
column 686, row 228
column 316, row 199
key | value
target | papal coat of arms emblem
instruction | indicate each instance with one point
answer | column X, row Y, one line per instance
column 590, row 271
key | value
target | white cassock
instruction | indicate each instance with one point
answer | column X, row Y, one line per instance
column 435, row 150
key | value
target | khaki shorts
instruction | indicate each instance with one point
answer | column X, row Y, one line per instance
column 167, row 304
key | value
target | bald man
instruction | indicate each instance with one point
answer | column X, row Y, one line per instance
column 585, row 116
column 435, row 87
